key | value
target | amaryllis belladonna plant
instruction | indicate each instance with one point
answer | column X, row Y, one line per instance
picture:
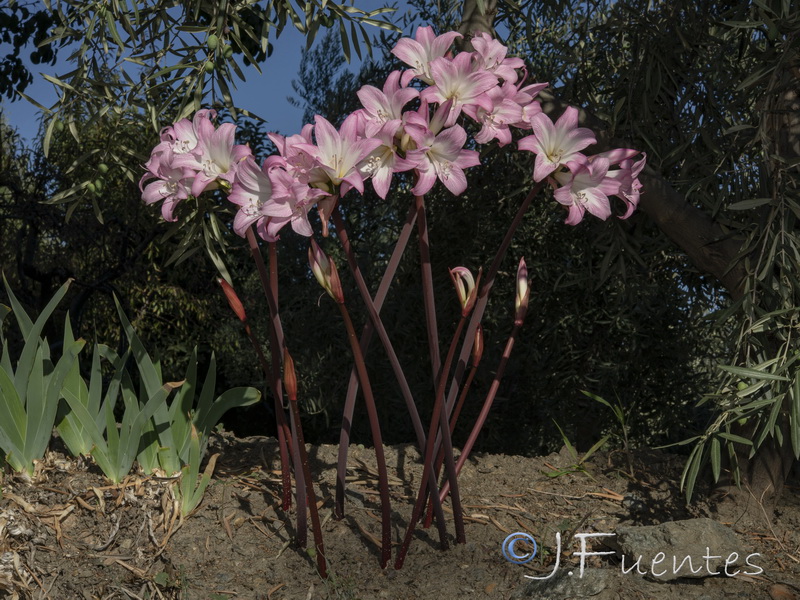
column 400, row 128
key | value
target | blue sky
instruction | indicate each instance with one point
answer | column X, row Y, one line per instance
column 265, row 95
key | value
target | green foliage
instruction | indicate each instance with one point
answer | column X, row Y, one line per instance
column 117, row 449
column 21, row 27
column 707, row 89
column 578, row 465
column 154, row 56
column 165, row 438
column 29, row 393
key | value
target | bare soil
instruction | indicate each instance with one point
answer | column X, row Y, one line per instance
column 70, row 535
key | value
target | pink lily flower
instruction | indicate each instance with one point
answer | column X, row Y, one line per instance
column 215, row 156
column 381, row 107
column 290, row 203
column 290, row 157
column 172, row 185
column 495, row 122
column 556, row 145
column 491, row 55
column 586, row 187
column 251, row 191
column 419, row 52
column 629, row 186
column 458, row 82
column 440, row 157
column 384, row 161
column 338, row 153
column 525, row 97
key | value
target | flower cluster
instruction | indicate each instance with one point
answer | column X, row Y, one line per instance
column 385, row 136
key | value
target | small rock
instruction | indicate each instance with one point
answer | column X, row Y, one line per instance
column 779, row 591
column 568, row 584
column 693, row 548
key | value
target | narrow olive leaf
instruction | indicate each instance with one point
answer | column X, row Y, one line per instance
column 754, row 78
column 216, row 258
column 769, row 427
column 794, row 415
column 354, row 37
column 381, row 24
column 48, row 136
column 716, row 458
column 112, row 28
column 59, row 83
column 343, row 39
column 735, row 438
column 690, row 472
column 754, row 373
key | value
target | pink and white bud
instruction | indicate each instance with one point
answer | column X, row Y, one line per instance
column 325, row 271
column 523, row 292
column 466, row 288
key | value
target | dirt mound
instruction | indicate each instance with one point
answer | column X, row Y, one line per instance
column 69, row 535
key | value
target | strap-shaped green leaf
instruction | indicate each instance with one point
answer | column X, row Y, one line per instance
column 130, row 435
column 42, row 418
column 23, row 320
column 233, row 398
column 12, row 415
column 31, row 333
column 150, row 374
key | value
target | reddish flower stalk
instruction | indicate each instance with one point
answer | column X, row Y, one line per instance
column 487, row 405
column 290, row 380
column 270, row 285
column 477, row 354
column 439, row 421
column 376, row 323
column 325, row 271
column 475, row 359
column 520, row 310
column 483, row 294
column 427, row 286
column 377, row 439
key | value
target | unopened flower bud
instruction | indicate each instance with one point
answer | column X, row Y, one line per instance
column 233, row 300
column 521, row 304
column 324, row 270
column 289, row 375
column 477, row 346
column 465, row 288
